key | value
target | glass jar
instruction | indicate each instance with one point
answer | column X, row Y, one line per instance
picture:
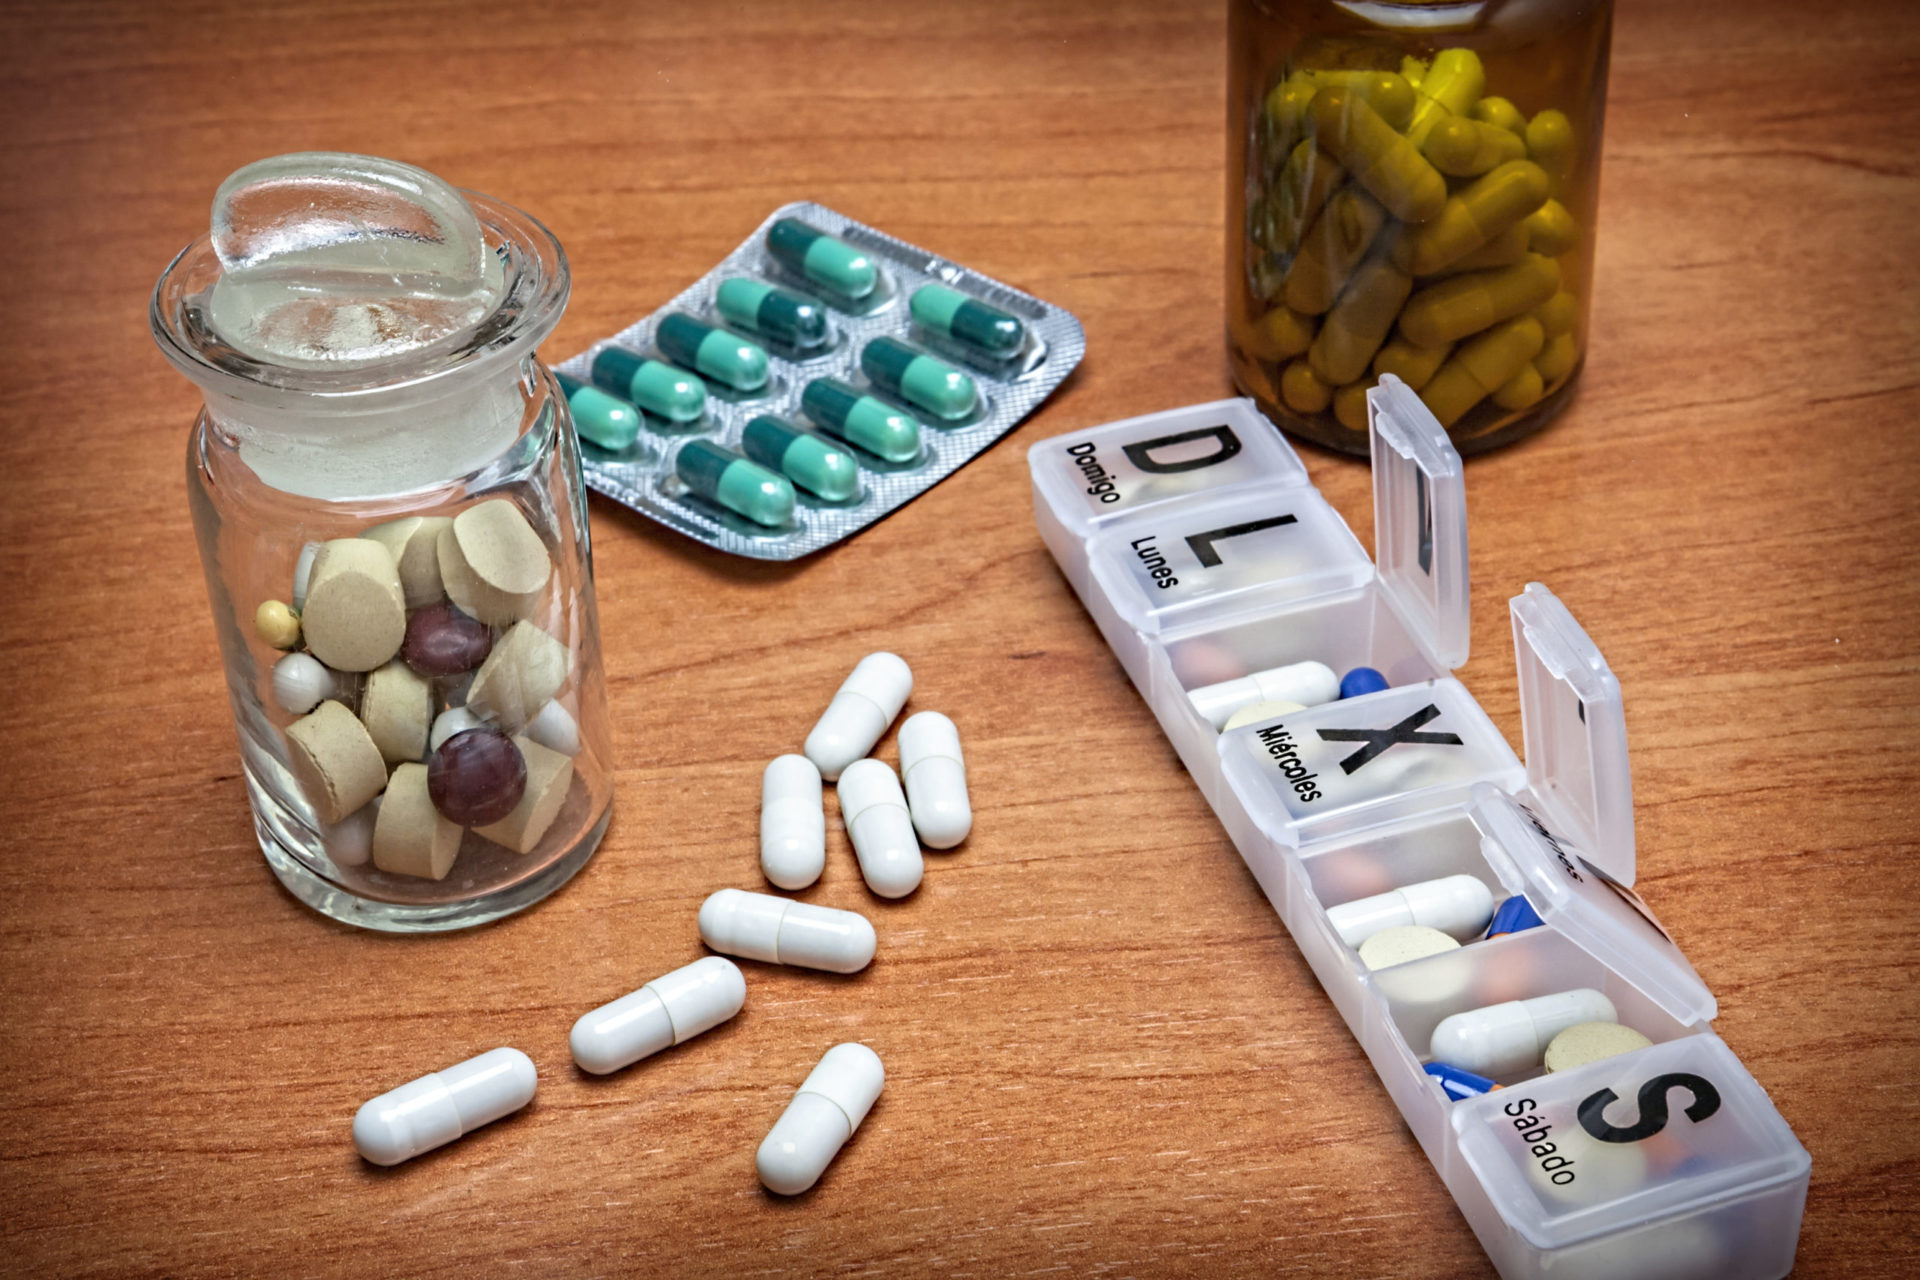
column 1411, row 189
column 386, row 490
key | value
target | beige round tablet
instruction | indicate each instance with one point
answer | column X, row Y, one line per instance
column 414, row 544
column 1402, row 943
column 410, row 838
column 549, row 774
column 1260, row 711
column 527, row 667
column 492, row 563
column 335, row 760
column 1586, row 1042
column 397, row 708
column 356, row 613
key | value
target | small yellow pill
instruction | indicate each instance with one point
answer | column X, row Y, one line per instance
column 1309, row 177
column 1522, row 391
column 1450, row 87
column 1488, row 206
column 1550, row 144
column 1281, row 334
column 277, row 624
column 1558, row 314
column 1359, row 322
column 1412, row 365
column 1459, row 305
column 1551, row 229
column 1386, row 164
column 1465, row 148
column 1586, row 1042
column 1389, row 94
column 1481, row 367
column 1350, row 404
column 1286, row 113
column 1500, row 112
column 1336, row 241
column 1302, row 389
column 1413, row 70
column 1505, row 249
column 1556, row 359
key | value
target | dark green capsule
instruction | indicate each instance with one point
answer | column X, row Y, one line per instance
column 660, row 389
column 822, row 258
column 818, row 466
column 964, row 319
column 925, row 380
column 740, row 364
column 874, row 425
column 743, row 487
column 605, row 420
column 786, row 317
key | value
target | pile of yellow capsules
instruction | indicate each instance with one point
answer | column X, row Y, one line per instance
column 1412, row 228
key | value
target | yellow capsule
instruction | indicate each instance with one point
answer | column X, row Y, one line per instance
column 1281, row 334
column 1359, row 321
column 1450, row 87
column 1464, row 148
column 1350, row 405
column 1286, row 113
column 1481, row 367
column 1551, row 229
column 1336, row 241
column 1380, row 160
column 1558, row 314
column 1488, row 206
column 1556, row 359
column 1385, row 92
column 1459, row 305
column 1310, row 175
column 1500, row 112
column 1522, row 391
column 277, row 624
column 1267, row 275
column 1550, row 144
column 1302, row 389
column 1413, row 365
column 1505, row 249
column 1413, row 70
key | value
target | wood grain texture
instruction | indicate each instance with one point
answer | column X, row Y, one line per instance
column 1105, row 1055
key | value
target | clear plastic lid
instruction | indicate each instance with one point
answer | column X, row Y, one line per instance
column 1575, row 727
column 1420, row 521
column 1593, row 910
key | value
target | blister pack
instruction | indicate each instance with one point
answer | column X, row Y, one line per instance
column 820, row 376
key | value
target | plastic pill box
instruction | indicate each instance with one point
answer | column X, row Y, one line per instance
column 1197, row 543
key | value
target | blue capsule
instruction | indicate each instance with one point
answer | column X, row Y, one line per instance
column 1361, row 680
column 1514, row 915
column 1457, row 1084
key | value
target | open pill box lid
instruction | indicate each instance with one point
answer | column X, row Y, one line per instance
column 1420, row 521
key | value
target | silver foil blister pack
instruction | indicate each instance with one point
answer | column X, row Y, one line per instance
column 644, row 478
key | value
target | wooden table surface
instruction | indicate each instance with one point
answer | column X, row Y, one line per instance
column 1105, row 1055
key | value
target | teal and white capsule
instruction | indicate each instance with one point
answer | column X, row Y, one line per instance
column 792, row 319
column 743, row 487
column 968, row 320
column 599, row 418
column 660, row 389
column 716, row 353
column 821, row 468
column 874, row 425
column 823, row 259
column 920, row 379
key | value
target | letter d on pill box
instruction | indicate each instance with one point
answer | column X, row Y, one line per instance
column 435, row 1109
column 759, row 926
column 670, row 1010
column 828, row 1107
column 859, row 713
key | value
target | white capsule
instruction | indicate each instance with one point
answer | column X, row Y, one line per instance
column 555, row 729
column 1307, row 683
column 1505, row 1039
column 935, row 775
column 669, row 1010
column 793, row 825
column 828, row 1107
column 301, row 683
column 349, row 842
column 449, row 722
column 1458, row 905
column 435, row 1109
column 859, row 713
column 302, row 572
column 759, row 926
column 875, row 813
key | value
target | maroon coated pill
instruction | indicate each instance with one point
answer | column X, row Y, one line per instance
column 476, row 777
column 442, row 641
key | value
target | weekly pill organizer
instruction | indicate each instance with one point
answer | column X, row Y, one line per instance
column 1203, row 552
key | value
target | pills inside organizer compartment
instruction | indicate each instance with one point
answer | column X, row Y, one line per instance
column 818, row 377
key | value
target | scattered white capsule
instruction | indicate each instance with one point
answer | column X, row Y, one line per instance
column 669, row 1010
column 350, row 841
column 300, row 683
column 449, row 722
column 859, row 713
column 875, row 813
column 935, row 775
column 793, row 825
column 759, row 926
column 1307, row 683
column 302, row 571
column 828, row 1107
column 1503, row 1039
column 1457, row 905
column 435, row 1109
column 555, row 729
